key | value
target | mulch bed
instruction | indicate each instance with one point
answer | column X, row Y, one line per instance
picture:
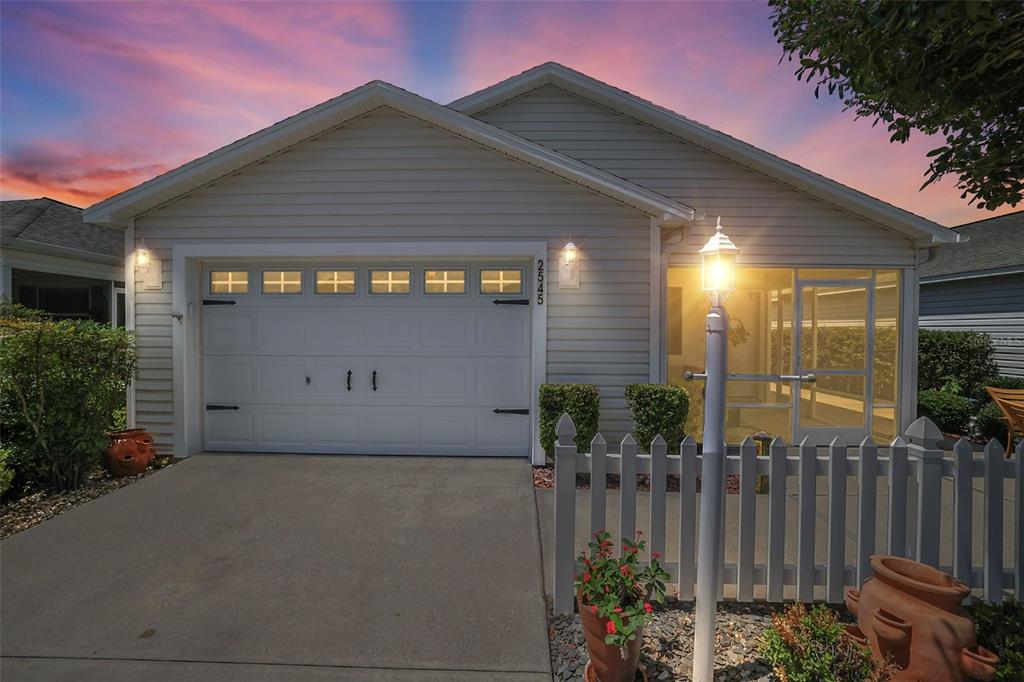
column 668, row 640
column 544, row 477
column 36, row 506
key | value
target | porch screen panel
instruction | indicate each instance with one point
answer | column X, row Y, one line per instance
column 886, row 365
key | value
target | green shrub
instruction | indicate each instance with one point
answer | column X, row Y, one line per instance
column 1015, row 383
column 581, row 401
column 999, row 631
column 657, row 409
column 60, row 383
column 964, row 356
column 6, row 470
column 990, row 424
column 950, row 412
column 810, row 646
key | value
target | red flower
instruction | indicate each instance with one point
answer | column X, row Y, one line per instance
column 639, row 533
column 586, row 577
column 647, row 607
column 611, row 628
column 656, row 555
column 618, row 609
column 593, row 608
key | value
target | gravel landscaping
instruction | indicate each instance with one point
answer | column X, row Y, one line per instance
column 544, row 477
column 39, row 505
column 668, row 641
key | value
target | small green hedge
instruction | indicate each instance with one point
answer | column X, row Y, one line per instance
column 657, row 409
column 966, row 357
column 990, row 424
column 999, row 631
column 951, row 412
column 583, row 404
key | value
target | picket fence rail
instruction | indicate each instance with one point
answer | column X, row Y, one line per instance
column 913, row 470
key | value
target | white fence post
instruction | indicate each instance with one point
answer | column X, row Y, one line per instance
column 993, row 570
column 598, row 481
column 687, row 518
column 963, row 494
column 924, row 438
column 898, row 497
column 565, row 514
column 659, row 461
column 745, row 553
column 835, row 566
column 777, row 519
column 1018, row 510
column 867, row 500
column 627, row 489
column 807, row 477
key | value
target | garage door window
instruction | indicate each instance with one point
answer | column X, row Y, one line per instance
column 229, row 282
column 390, row 281
column 501, row 281
column 282, row 282
column 335, row 281
column 444, row 281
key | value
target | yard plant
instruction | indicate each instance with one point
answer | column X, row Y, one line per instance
column 809, row 645
column 582, row 402
column 966, row 357
column 657, row 410
column 618, row 588
column 60, row 383
column 999, row 631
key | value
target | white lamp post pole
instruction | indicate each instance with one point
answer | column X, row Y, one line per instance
column 719, row 266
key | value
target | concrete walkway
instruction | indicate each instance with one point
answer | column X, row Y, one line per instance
column 266, row 567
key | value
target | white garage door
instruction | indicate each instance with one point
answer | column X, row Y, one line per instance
column 371, row 359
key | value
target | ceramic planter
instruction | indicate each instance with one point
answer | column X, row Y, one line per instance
column 609, row 663
column 129, row 453
column 911, row 614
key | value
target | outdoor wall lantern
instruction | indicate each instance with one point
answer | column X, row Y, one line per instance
column 718, row 266
column 569, row 267
column 142, row 256
column 151, row 268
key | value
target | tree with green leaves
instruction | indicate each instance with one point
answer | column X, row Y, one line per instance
column 949, row 68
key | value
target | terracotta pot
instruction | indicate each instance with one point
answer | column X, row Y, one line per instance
column 129, row 453
column 608, row 663
column 911, row 614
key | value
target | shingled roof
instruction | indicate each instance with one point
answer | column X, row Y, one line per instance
column 50, row 223
column 994, row 246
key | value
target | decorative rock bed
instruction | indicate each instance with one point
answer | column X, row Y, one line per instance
column 544, row 477
column 39, row 505
column 668, row 640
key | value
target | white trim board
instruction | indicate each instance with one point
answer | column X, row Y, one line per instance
column 335, row 112
column 186, row 297
column 925, row 231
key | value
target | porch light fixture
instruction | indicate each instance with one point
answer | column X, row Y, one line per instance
column 569, row 267
column 142, row 256
column 718, row 266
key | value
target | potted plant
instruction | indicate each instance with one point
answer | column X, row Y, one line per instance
column 614, row 594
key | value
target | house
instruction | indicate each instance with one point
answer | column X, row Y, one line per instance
column 384, row 274
column 51, row 260
column 980, row 286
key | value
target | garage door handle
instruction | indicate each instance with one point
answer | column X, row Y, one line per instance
column 348, row 381
column 373, row 381
column 511, row 301
column 215, row 408
column 499, row 410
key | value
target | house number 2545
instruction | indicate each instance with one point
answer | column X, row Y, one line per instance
column 540, row 281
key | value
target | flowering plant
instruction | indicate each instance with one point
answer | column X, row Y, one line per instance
column 617, row 588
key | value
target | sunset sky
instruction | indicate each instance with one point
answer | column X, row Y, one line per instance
column 97, row 97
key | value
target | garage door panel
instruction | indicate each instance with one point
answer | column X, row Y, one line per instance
column 446, row 378
column 503, row 380
column 503, row 329
column 232, row 430
column 335, row 329
column 282, row 428
column 439, row 329
column 392, row 328
column 226, row 379
column 230, row 331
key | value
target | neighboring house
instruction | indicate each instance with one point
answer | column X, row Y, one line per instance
column 381, row 274
column 53, row 261
column 980, row 286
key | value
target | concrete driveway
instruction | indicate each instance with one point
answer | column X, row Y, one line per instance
column 266, row 567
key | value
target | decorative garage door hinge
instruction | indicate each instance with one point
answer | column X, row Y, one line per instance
column 216, row 301
column 511, row 301
column 499, row 410
column 214, row 408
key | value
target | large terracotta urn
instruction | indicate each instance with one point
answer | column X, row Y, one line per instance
column 609, row 663
column 129, row 453
column 912, row 615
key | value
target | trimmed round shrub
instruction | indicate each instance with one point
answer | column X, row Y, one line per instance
column 582, row 402
column 657, row 409
column 964, row 357
column 990, row 424
column 950, row 412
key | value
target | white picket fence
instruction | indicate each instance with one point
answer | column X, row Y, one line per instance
column 913, row 471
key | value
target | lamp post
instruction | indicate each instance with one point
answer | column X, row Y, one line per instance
column 718, row 280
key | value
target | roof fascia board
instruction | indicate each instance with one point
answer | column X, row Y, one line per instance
column 339, row 110
column 32, row 246
column 923, row 231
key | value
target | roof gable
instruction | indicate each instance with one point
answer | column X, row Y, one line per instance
column 924, row 231
column 335, row 112
column 46, row 223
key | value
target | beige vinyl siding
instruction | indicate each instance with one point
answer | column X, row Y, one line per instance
column 771, row 222
column 387, row 176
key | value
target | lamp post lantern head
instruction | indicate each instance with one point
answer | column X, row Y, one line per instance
column 718, row 266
